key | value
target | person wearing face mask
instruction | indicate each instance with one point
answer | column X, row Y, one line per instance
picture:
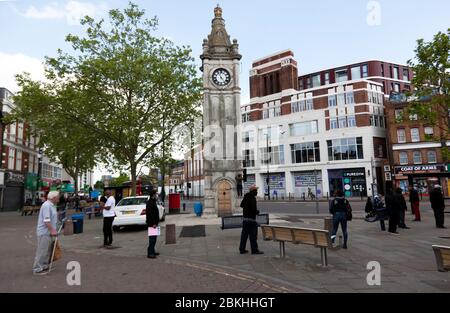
column 249, row 225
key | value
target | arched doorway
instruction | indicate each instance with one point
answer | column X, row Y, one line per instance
column 224, row 198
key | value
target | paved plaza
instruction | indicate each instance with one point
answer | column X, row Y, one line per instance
column 213, row 264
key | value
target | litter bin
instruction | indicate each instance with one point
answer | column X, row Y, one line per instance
column 174, row 203
column 198, row 208
column 77, row 220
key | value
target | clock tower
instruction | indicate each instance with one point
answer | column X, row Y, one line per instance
column 221, row 119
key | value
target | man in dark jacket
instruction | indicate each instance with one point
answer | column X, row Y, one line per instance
column 438, row 205
column 414, row 199
column 152, row 220
column 393, row 211
column 249, row 225
column 339, row 208
column 402, row 207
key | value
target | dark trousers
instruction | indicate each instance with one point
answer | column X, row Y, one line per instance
column 401, row 219
column 107, row 230
column 151, row 245
column 393, row 221
column 249, row 229
column 340, row 218
column 439, row 217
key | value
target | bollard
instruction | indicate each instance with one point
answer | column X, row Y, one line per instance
column 184, row 206
column 171, row 234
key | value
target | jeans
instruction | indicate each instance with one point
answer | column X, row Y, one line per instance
column 107, row 230
column 340, row 218
column 151, row 245
column 43, row 253
column 249, row 229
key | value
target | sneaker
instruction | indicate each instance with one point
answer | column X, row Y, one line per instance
column 394, row 233
column 41, row 273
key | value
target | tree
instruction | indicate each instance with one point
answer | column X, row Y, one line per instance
column 431, row 81
column 133, row 89
column 66, row 143
column 99, row 185
column 120, row 180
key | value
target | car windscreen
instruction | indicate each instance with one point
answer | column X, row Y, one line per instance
column 132, row 201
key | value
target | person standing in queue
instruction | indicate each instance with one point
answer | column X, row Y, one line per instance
column 108, row 219
column 438, row 205
column 415, row 201
column 249, row 225
column 392, row 210
column 152, row 220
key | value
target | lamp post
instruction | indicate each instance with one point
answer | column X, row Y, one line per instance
column 39, row 170
column 268, row 162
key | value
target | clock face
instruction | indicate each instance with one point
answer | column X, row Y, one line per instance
column 221, row 77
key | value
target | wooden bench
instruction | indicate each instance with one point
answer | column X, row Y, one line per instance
column 442, row 254
column 235, row 221
column 30, row 209
column 314, row 237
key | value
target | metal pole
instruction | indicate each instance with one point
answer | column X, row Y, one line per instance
column 268, row 159
column 317, row 198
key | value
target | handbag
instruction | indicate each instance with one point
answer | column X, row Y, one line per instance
column 349, row 212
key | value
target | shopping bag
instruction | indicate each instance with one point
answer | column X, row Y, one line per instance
column 154, row 231
column 58, row 253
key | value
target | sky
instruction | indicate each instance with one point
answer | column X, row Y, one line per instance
column 321, row 33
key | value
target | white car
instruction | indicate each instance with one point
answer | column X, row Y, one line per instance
column 131, row 211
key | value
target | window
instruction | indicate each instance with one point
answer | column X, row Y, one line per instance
column 20, row 131
column 399, row 114
column 274, row 132
column 401, row 136
column 341, row 76
column 413, row 117
column 403, row 158
column 327, row 78
column 19, row 160
column 304, row 128
column 431, row 155
column 332, row 101
column 356, row 72
column 365, row 71
column 405, row 74
column 295, row 107
column 303, row 104
column 351, row 121
column 11, row 156
column 342, row 122
column 30, row 163
column 429, row 131
column 246, row 118
column 305, row 152
column 249, row 158
column 417, row 157
column 345, row 149
column 341, row 99
column 397, row 87
column 309, row 104
column 274, row 157
column 350, row 99
column 308, row 83
column 316, row 80
column 396, row 73
column 12, row 131
column 248, row 136
column 415, row 137
column 333, row 123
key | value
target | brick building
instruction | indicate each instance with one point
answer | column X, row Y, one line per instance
column 416, row 156
column 319, row 132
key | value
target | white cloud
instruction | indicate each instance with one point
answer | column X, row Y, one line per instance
column 72, row 11
column 12, row 64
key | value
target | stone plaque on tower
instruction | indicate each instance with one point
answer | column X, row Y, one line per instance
column 221, row 119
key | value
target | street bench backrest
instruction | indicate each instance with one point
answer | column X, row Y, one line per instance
column 309, row 236
column 442, row 256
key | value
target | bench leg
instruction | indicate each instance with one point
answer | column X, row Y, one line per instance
column 282, row 249
column 324, row 257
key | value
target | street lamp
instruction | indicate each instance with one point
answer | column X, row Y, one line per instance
column 268, row 161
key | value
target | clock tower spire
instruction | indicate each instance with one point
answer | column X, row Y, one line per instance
column 221, row 119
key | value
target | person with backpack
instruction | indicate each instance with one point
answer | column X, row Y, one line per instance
column 342, row 212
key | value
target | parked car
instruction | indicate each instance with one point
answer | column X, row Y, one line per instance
column 131, row 211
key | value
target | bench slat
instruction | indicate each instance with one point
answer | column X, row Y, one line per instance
column 304, row 236
column 282, row 234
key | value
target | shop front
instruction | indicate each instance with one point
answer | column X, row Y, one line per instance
column 277, row 185
column 351, row 181
column 13, row 193
column 423, row 177
column 306, row 183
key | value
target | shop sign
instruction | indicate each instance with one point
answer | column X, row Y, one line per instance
column 418, row 169
column 387, row 176
column 14, row 178
column 358, row 173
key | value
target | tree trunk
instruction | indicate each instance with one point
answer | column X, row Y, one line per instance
column 133, row 168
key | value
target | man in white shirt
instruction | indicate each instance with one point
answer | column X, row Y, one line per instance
column 108, row 219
